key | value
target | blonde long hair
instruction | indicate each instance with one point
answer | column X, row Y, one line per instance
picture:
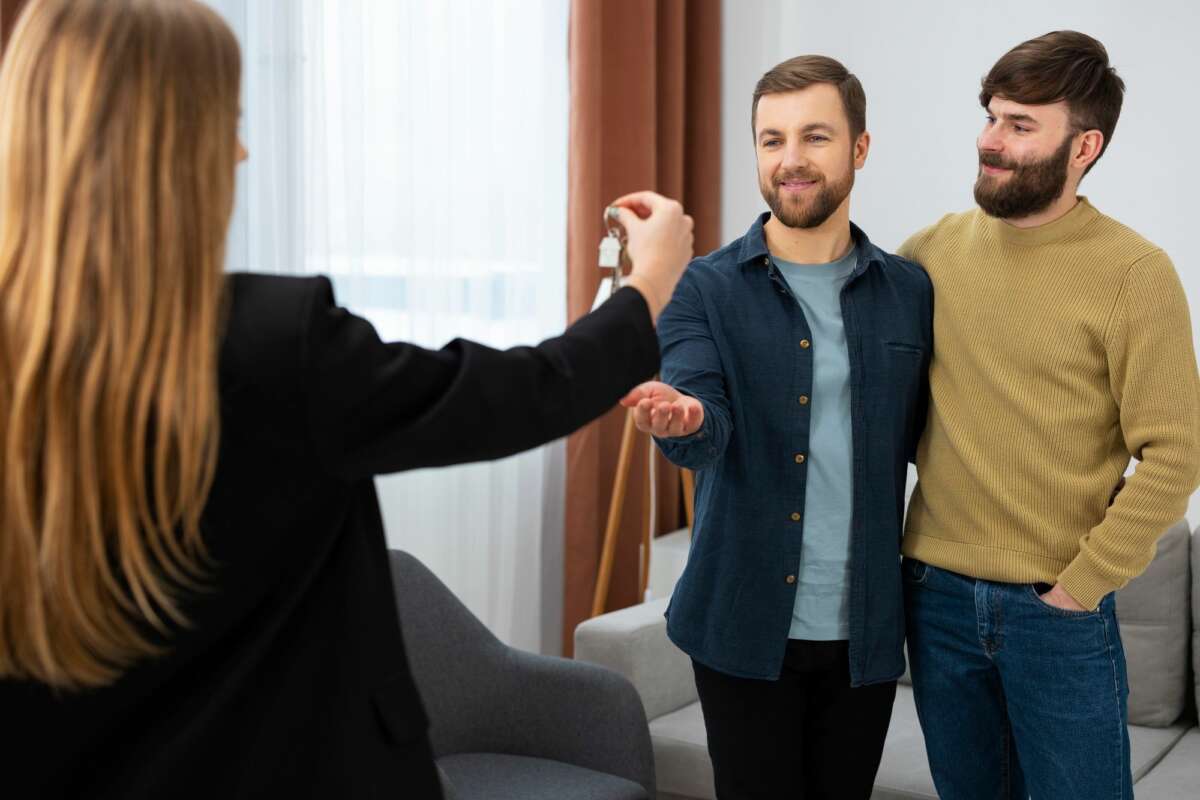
column 118, row 144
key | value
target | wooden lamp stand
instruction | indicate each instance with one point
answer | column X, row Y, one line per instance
column 617, row 505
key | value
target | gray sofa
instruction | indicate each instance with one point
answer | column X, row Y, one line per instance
column 1162, row 646
column 511, row 725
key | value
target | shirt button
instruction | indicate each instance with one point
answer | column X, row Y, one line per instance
column 803, row 399
column 805, row 344
column 800, row 458
column 767, row 260
column 795, row 516
column 790, row 579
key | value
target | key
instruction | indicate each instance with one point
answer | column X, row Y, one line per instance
column 612, row 248
column 612, row 256
column 610, row 251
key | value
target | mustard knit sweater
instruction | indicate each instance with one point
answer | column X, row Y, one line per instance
column 1059, row 352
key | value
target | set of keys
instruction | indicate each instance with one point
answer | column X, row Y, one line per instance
column 612, row 254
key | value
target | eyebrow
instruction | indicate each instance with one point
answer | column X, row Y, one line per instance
column 809, row 128
column 1015, row 117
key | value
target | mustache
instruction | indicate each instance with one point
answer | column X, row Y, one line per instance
column 995, row 160
column 805, row 176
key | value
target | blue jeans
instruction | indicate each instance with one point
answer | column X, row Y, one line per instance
column 1016, row 698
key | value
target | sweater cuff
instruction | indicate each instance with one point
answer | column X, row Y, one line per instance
column 1085, row 583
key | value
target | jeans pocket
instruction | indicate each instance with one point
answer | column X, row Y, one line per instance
column 914, row 572
column 1036, row 596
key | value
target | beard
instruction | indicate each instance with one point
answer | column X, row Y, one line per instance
column 1030, row 188
column 811, row 209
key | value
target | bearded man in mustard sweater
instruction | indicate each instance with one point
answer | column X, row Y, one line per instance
column 1062, row 348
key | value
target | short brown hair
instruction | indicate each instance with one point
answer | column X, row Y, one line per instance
column 1062, row 65
column 804, row 71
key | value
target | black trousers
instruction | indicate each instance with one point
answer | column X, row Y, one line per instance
column 807, row 735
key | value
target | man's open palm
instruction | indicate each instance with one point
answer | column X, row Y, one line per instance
column 662, row 411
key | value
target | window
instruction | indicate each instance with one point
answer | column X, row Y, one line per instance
column 416, row 153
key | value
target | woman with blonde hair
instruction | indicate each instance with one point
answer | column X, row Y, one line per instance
column 194, row 589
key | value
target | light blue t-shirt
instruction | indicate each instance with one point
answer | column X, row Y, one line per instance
column 822, row 608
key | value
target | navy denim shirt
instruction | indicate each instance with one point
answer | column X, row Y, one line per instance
column 734, row 337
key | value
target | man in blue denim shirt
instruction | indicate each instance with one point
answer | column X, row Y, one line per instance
column 794, row 366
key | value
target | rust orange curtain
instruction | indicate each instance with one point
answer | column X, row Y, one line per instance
column 645, row 114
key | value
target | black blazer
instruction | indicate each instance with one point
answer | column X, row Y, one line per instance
column 293, row 681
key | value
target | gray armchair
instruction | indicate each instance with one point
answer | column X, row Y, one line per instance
column 509, row 724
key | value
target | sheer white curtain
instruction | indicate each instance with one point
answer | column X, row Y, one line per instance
column 415, row 152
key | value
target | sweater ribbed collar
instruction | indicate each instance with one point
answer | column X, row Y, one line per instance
column 1083, row 213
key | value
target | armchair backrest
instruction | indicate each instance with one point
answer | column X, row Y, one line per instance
column 450, row 652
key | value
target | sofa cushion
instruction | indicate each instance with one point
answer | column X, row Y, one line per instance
column 1155, row 615
column 904, row 771
column 681, row 763
column 499, row 776
column 1147, row 747
column 1177, row 776
column 633, row 642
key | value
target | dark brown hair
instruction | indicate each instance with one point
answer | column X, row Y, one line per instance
column 1062, row 65
column 804, row 71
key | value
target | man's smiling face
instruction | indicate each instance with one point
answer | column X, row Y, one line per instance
column 806, row 154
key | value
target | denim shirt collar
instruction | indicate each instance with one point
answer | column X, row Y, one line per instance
column 754, row 247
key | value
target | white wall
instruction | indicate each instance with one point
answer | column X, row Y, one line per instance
column 921, row 62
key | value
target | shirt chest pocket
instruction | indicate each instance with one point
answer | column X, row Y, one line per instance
column 899, row 380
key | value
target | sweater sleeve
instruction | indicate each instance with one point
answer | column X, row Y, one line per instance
column 1153, row 379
